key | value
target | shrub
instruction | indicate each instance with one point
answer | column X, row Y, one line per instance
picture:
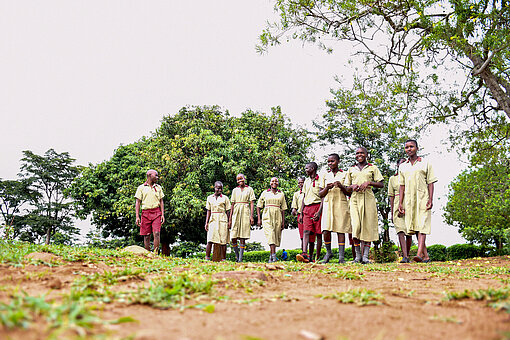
column 464, row 251
column 437, row 252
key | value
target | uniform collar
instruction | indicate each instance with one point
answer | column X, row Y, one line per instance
column 153, row 187
column 419, row 159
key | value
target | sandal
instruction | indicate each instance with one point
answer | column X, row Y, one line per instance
column 417, row 259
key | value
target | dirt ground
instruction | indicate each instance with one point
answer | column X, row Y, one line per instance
column 262, row 301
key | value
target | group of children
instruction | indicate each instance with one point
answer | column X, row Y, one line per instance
column 340, row 202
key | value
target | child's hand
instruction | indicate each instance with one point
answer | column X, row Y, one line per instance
column 259, row 223
column 316, row 216
column 354, row 187
column 162, row 219
column 429, row 205
column 338, row 184
column 401, row 209
column 300, row 219
column 206, row 227
column 138, row 221
column 330, row 186
column 252, row 221
column 364, row 186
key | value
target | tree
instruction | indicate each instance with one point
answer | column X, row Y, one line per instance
column 416, row 42
column 191, row 150
column 50, row 175
column 13, row 195
column 371, row 115
column 479, row 202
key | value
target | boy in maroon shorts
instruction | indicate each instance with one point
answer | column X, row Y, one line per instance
column 297, row 202
column 149, row 196
column 310, row 211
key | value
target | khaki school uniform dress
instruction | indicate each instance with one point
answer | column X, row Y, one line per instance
column 416, row 179
column 363, row 206
column 335, row 210
column 273, row 205
column 241, row 199
column 218, row 222
column 393, row 191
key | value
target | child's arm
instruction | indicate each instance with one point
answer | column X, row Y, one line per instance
column 259, row 220
column 319, row 212
column 137, row 212
column 229, row 213
column 283, row 219
column 392, row 201
column 207, row 217
column 162, row 207
column 401, row 199
column 252, row 221
column 431, row 196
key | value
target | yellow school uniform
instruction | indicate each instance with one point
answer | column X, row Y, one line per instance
column 311, row 190
column 273, row 205
column 335, row 212
column 393, row 191
column 416, row 179
column 149, row 196
column 218, row 222
column 241, row 199
column 297, row 200
column 363, row 206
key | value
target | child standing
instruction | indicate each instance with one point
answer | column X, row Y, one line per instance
column 149, row 197
column 396, row 217
column 416, row 196
column 363, row 207
column 297, row 203
column 273, row 218
column 336, row 216
column 216, row 220
column 241, row 215
column 311, row 211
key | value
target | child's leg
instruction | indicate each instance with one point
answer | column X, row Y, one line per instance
column 156, row 241
column 357, row 249
column 341, row 248
column 208, row 251
column 353, row 249
column 236, row 249
column 425, row 255
column 306, row 238
column 223, row 252
column 403, row 244
column 147, row 242
column 242, row 247
column 311, row 248
column 327, row 243
column 319, row 245
column 366, row 252
column 409, row 243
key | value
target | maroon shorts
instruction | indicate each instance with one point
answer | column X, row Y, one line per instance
column 300, row 227
column 151, row 221
column 308, row 223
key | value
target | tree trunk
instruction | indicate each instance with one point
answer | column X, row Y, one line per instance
column 48, row 235
column 492, row 82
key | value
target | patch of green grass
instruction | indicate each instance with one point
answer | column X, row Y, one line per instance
column 340, row 273
column 450, row 319
column 172, row 292
column 359, row 296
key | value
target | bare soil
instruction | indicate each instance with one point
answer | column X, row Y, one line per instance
column 279, row 304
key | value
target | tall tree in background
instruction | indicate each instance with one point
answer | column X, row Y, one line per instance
column 479, row 200
column 426, row 43
column 191, row 150
column 50, row 175
column 375, row 115
column 14, row 194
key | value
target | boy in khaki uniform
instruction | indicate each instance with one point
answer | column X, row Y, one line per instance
column 149, row 197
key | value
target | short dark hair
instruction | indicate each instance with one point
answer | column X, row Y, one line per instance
column 313, row 164
column 218, row 182
column 413, row 141
column 301, row 178
column 363, row 148
column 334, row 155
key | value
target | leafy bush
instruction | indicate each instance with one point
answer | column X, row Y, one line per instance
column 464, row 251
column 437, row 252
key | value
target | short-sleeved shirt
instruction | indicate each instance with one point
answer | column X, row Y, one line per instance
column 368, row 173
column 330, row 177
column 297, row 200
column 149, row 196
column 311, row 189
column 246, row 195
column 416, row 176
column 218, row 204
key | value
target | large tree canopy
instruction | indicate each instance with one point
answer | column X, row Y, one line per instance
column 191, row 150
column 419, row 41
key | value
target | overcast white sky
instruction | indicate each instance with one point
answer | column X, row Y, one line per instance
column 86, row 76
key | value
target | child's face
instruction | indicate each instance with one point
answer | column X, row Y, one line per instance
column 241, row 180
column 332, row 162
column 361, row 155
column 309, row 169
column 153, row 176
column 218, row 189
column 274, row 183
column 410, row 149
column 300, row 183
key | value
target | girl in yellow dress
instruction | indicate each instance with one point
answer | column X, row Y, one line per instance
column 416, row 196
column 336, row 217
column 363, row 207
column 241, row 215
column 396, row 217
column 273, row 218
column 216, row 220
